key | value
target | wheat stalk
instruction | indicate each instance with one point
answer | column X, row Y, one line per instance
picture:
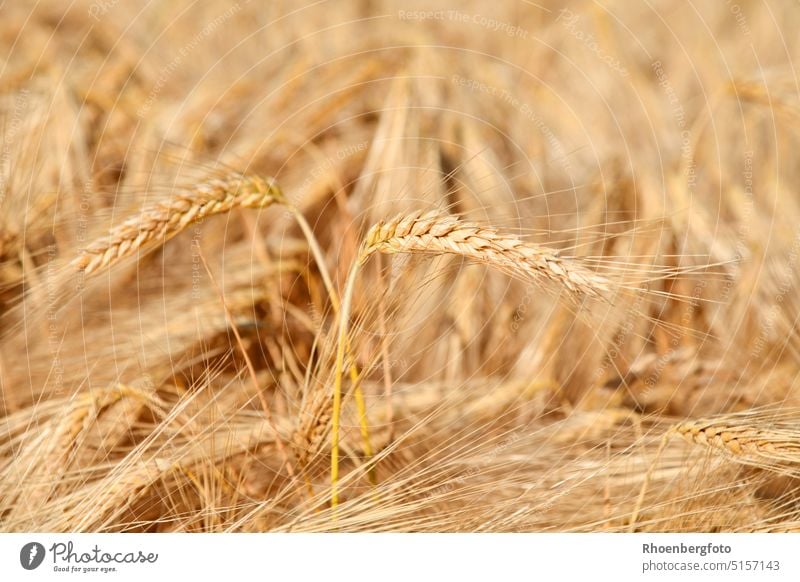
column 164, row 220
column 436, row 234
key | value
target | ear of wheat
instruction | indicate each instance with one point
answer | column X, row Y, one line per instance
column 436, row 234
column 164, row 220
column 772, row 444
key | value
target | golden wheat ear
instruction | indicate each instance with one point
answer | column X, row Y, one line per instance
column 139, row 234
column 164, row 220
column 751, row 439
column 436, row 234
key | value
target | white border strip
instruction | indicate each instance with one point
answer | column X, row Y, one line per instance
column 388, row 557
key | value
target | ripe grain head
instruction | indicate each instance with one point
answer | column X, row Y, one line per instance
column 434, row 233
column 743, row 439
column 164, row 220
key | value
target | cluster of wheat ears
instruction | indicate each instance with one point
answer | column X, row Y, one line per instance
column 332, row 268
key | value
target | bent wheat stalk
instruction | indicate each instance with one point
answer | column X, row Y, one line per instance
column 436, row 234
column 336, row 304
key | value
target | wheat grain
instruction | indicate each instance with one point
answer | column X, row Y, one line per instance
column 433, row 233
column 164, row 220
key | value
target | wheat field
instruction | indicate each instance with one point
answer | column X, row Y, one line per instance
column 399, row 266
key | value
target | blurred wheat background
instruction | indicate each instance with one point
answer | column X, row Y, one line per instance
column 399, row 266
